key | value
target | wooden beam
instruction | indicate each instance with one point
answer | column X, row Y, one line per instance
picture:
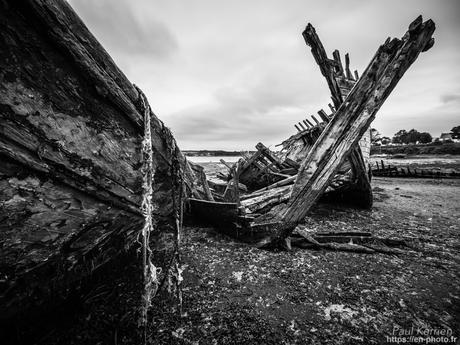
column 269, row 197
column 271, row 157
column 226, row 164
column 311, row 124
column 347, row 67
column 319, row 53
column 286, row 181
column 322, row 114
column 315, row 119
column 336, row 55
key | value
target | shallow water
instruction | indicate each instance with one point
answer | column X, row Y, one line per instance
column 213, row 159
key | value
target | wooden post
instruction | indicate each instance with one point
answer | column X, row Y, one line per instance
column 319, row 53
column 311, row 124
column 336, row 55
column 315, row 119
column 347, row 67
column 322, row 114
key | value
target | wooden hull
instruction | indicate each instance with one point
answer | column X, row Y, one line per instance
column 226, row 217
column 71, row 129
column 218, row 214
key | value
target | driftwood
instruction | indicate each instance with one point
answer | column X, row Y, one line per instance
column 349, row 123
column 71, row 127
column 347, row 242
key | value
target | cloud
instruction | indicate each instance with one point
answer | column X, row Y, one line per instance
column 124, row 31
column 450, row 97
column 238, row 117
column 227, row 74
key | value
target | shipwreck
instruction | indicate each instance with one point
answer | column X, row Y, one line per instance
column 268, row 194
column 93, row 182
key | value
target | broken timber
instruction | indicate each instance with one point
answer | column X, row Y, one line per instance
column 263, row 168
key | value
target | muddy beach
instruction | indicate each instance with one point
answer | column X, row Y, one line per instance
column 234, row 293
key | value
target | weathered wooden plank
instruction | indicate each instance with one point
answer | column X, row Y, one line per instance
column 319, row 53
column 286, row 181
column 270, row 197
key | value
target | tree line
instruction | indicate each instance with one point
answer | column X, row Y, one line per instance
column 412, row 136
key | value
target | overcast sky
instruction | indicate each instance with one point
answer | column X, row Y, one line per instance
column 228, row 74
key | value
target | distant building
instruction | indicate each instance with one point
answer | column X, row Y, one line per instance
column 448, row 137
column 445, row 136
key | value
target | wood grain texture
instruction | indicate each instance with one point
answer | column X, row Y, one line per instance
column 70, row 156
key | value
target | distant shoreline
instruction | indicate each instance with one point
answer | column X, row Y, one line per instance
column 418, row 149
column 214, row 153
column 410, row 149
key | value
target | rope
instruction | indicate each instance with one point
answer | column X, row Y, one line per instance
column 177, row 196
column 150, row 272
